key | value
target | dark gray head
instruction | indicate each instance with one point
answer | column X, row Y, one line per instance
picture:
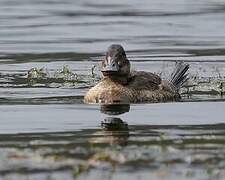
column 115, row 63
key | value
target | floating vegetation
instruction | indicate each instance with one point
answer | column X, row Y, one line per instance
column 67, row 74
column 206, row 80
column 42, row 75
column 200, row 86
column 62, row 77
column 35, row 73
column 204, row 86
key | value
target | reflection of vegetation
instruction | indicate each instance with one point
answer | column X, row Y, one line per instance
column 193, row 151
column 110, row 137
column 112, row 157
column 79, row 169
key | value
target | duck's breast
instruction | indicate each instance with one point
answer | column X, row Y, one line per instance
column 108, row 92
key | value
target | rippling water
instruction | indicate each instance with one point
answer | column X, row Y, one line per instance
column 46, row 130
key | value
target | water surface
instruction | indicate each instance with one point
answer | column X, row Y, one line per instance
column 46, row 130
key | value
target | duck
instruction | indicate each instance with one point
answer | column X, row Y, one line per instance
column 121, row 85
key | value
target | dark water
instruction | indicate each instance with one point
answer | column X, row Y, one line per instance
column 46, row 130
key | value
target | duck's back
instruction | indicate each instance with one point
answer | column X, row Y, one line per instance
column 140, row 80
column 149, row 87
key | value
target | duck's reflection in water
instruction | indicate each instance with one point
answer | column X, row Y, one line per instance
column 114, row 130
column 112, row 122
column 111, row 137
column 115, row 109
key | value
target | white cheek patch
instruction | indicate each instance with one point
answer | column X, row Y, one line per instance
column 109, row 59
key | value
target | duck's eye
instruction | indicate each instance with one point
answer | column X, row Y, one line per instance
column 113, row 64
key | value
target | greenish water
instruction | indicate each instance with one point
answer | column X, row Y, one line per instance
column 48, row 50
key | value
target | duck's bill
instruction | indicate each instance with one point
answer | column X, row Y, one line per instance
column 110, row 70
column 109, row 73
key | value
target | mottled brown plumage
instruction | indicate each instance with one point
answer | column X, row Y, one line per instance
column 119, row 85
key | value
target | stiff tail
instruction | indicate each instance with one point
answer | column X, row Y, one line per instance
column 179, row 75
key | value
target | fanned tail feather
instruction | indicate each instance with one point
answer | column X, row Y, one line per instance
column 179, row 75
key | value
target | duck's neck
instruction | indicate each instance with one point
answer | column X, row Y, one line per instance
column 119, row 79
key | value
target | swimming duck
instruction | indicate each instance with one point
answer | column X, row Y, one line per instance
column 121, row 85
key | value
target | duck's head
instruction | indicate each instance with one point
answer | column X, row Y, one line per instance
column 115, row 65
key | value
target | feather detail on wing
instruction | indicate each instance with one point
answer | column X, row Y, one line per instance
column 141, row 80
